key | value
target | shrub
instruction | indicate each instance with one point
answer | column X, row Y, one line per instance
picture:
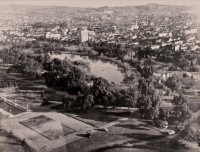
column 92, row 52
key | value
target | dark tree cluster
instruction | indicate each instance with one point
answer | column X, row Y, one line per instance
column 181, row 110
column 148, row 101
column 25, row 62
column 181, row 60
column 177, row 83
column 65, row 75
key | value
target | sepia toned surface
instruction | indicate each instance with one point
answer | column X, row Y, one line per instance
column 99, row 75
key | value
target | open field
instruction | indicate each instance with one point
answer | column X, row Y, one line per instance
column 126, row 136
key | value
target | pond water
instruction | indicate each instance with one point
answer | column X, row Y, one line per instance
column 98, row 67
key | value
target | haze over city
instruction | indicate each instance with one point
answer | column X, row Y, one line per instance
column 98, row 3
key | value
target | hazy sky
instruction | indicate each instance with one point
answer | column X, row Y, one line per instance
column 98, row 3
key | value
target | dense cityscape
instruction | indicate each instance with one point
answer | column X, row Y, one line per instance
column 83, row 79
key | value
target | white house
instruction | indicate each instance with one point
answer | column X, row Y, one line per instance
column 55, row 36
column 50, row 35
column 179, row 42
column 192, row 31
column 194, row 48
column 134, row 37
column 177, row 48
column 155, row 47
column 163, row 34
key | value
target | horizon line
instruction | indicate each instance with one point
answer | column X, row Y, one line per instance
column 97, row 3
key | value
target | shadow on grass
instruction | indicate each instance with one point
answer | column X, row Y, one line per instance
column 144, row 137
column 144, row 125
column 9, row 142
column 169, row 144
column 151, row 147
column 121, row 114
column 95, row 115
column 123, row 145
column 87, row 135
column 108, row 148
column 129, row 126
column 58, row 107
column 81, row 135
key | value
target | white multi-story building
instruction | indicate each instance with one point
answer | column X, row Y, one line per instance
column 155, row 47
column 1, row 36
column 165, row 34
column 192, row 31
column 91, row 34
column 134, row 27
column 50, row 35
column 83, row 35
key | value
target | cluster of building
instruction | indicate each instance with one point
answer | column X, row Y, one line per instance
column 171, row 31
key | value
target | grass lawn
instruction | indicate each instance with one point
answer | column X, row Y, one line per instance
column 94, row 117
column 129, row 136
column 131, row 131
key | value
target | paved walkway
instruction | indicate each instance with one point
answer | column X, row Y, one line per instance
column 5, row 112
column 53, row 104
column 13, row 103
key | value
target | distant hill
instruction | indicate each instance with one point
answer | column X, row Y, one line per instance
column 55, row 14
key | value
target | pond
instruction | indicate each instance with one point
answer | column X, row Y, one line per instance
column 100, row 68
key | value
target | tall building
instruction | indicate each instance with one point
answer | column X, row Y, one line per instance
column 1, row 36
column 83, row 35
column 135, row 26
